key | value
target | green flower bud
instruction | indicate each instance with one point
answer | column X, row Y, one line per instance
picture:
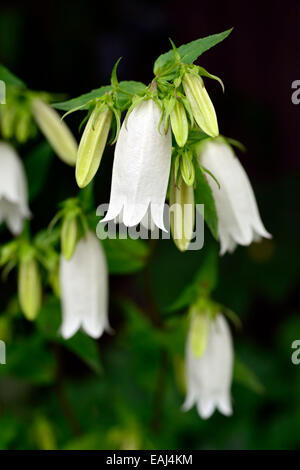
column 5, row 328
column 187, row 168
column 202, row 107
column 29, row 287
column 23, row 128
column 92, row 145
column 56, row 131
column 179, row 124
column 7, row 122
column 69, row 234
column 199, row 331
column 182, row 217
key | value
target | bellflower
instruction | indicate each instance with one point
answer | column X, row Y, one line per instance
column 84, row 289
column 239, row 221
column 209, row 374
column 13, row 189
column 141, row 167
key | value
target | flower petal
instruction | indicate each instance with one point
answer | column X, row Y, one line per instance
column 209, row 376
column 13, row 189
column 141, row 166
column 238, row 215
column 83, row 282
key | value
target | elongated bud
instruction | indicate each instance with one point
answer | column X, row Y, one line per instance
column 92, row 145
column 187, row 168
column 7, row 121
column 29, row 288
column 199, row 331
column 5, row 330
column 202, row 107
column 56, row 131
column 69, row 234
column 179, row 124
column 182, row 217
column 23, row 127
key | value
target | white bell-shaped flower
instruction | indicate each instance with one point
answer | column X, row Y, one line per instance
column 209, row 376
column 84, row 289
column 141, row 167
column 13, row 189
column 239, row 221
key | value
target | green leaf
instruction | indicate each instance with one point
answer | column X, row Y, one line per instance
column 82, row 100
column 127, row 89
column 188, row 52
column 37, row 165
column 203, row 195
column 246, row 377
column 29, row 359
column 9, row 78
column 125, row 256
column 204, row 282
column 48, row 323
column 131, row 87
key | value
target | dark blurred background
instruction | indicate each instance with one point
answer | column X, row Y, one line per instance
column 71, row 47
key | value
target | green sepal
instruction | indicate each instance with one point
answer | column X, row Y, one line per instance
column 211, row 175
column 114, row 79
column 202, row 71
column 203, row 195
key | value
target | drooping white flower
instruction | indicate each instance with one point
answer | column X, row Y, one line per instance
column 13, row 189
column 239, row 221
column 141, row 167
column 84, row 289
column 209, row 376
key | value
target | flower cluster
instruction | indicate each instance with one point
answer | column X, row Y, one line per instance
column 167, row 147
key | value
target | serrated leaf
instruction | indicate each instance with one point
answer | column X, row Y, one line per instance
column 247, row 377
column 82, row 100
column 132, row 87
column 204, row 195
column 126, row 88
column 188, row 52
column 9, row 78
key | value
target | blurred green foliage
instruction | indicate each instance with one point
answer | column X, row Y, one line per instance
column 125, row 390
